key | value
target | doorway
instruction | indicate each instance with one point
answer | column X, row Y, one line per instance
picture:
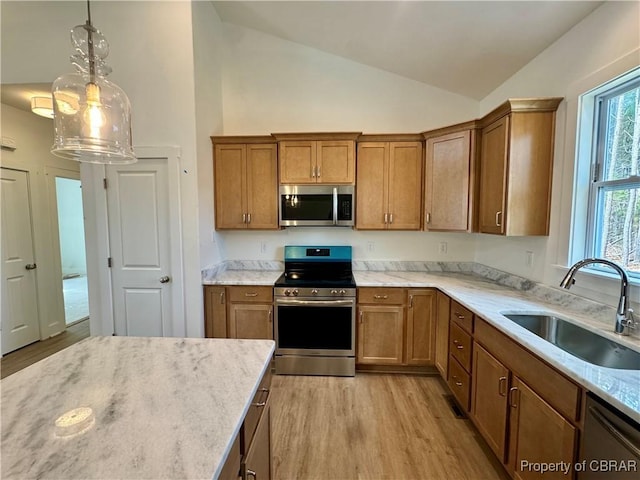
column 72, row 249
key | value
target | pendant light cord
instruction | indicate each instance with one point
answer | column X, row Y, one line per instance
column 89, row 28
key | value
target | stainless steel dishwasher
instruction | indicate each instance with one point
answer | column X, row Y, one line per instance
column 611, row 444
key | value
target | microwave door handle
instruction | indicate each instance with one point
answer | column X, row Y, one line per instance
column 335, row 205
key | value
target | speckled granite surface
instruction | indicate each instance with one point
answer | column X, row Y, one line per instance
column 489, row 293
column 163, row 408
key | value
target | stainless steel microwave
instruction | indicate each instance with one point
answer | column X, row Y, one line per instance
column 316, row 205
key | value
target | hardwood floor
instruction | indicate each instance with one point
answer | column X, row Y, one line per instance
column 19, row 359
column 372, row 426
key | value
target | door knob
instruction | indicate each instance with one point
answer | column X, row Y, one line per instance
column 30, row 266
column 165, row 279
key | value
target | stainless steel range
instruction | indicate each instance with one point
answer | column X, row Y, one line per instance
column 315, row 302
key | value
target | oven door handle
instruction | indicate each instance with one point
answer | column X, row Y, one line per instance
column 314, row 302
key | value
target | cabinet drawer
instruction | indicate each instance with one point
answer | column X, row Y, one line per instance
column 460, row 346
column 255, row 411
column 389, row 296
column 462, row 316
column 247, row 293
column 459, row 382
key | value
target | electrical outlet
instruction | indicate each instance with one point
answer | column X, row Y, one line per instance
column 529, row 259
column 263, row 247
column 442, row 248
column 371, row 246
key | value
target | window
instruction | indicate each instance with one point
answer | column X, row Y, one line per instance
column 613, row 227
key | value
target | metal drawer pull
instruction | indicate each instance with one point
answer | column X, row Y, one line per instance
column 386, row 218
column 428, row 218
column 410, row 301
column 502, row 382
column 458, row 346
column 251, row 473
column 512, row 402
column 381, row 297
column 244, row 218
column 391, row 218
column 248, row 218
column 456, row 381
column 270, row 314
column 459, row 316
column 360, row 316
column 313, row 172
column 250, row 294
column 263, row 403
column 318, row 171
column 222, row 297
column 498, row 223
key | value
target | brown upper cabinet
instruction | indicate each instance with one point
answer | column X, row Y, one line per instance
column 325, row 158
column 516, row 163
column 246, row 182
column 450, row 178
column 389, row 183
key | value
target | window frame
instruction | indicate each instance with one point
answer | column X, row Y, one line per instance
column 597, row 100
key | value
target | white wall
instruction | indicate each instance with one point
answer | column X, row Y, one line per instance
column 71, row 226
column 34, row 137
column 272, row 85
column 153, row 61
column 586, row 56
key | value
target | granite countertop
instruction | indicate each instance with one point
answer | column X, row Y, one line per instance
column 162, row 408
column 489, row 300
column 244, row 277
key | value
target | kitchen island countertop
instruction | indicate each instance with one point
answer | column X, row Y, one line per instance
column 162, row 408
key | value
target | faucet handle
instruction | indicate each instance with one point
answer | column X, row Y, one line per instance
column 630, row 321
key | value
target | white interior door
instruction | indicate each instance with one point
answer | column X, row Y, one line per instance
column 20, row 324
column 140, row 246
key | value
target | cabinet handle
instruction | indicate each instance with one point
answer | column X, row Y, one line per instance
column 456, row 381
column 270, row 314
column 428, row 218
column 458, row 346
column 360, row 316
column 251, row 473
column 248, row 218
column 458, row 316
column 498, row 222
column 313, row 171
column 386, row 218
column 502, row 382
column 381, row 297
column 244, row 218
column 252, row 294
column 318, row 171
column 512, row 400
column 265, row 395
column 410, row 301
column 222, row 297
column 391, row 218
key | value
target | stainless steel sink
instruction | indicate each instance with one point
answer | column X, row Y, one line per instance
column 578, row 341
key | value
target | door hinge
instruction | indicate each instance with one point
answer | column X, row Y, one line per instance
column 104, row 183
column 109, row 262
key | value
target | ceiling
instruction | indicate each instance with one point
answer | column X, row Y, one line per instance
column 466, row 47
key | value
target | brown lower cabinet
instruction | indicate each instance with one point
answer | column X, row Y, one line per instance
column 250, row 455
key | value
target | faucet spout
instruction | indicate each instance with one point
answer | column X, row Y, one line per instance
column 624, row 315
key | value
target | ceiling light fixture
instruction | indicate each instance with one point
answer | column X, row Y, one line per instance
column 42, row 106
column 92, row 116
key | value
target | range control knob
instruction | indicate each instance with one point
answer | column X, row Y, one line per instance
column 295, row 292
column 287, row 292
column 334, row 292
column 314, row 291
column 343, row 292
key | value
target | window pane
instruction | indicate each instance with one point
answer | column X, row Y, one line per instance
column 621, row 119
column 617, row 227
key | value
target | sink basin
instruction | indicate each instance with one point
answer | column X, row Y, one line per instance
column 579, row 341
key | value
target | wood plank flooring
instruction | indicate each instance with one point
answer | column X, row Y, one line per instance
column 22, row 358
column 372, row 426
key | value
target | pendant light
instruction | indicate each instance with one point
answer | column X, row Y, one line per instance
column 92, row 116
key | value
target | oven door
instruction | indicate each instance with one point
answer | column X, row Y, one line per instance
column 312, row 326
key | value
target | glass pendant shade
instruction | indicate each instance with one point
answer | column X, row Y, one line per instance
column 92, row 116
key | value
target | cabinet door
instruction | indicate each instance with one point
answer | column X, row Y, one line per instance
column 336, row 162
column 372, row 194
column 262, row 186
column 256, row 464
column 447, row 182
column 229, row 165
column 493, row 176
column 380, row 334
column 250, row 321
column 405, row 186
column 297, row 162
column 421, row 327
column 538, row 434
column 443, row 303
column 215, row 312
column 489, row 399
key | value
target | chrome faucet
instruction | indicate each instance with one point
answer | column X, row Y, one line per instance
column 624, row 315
